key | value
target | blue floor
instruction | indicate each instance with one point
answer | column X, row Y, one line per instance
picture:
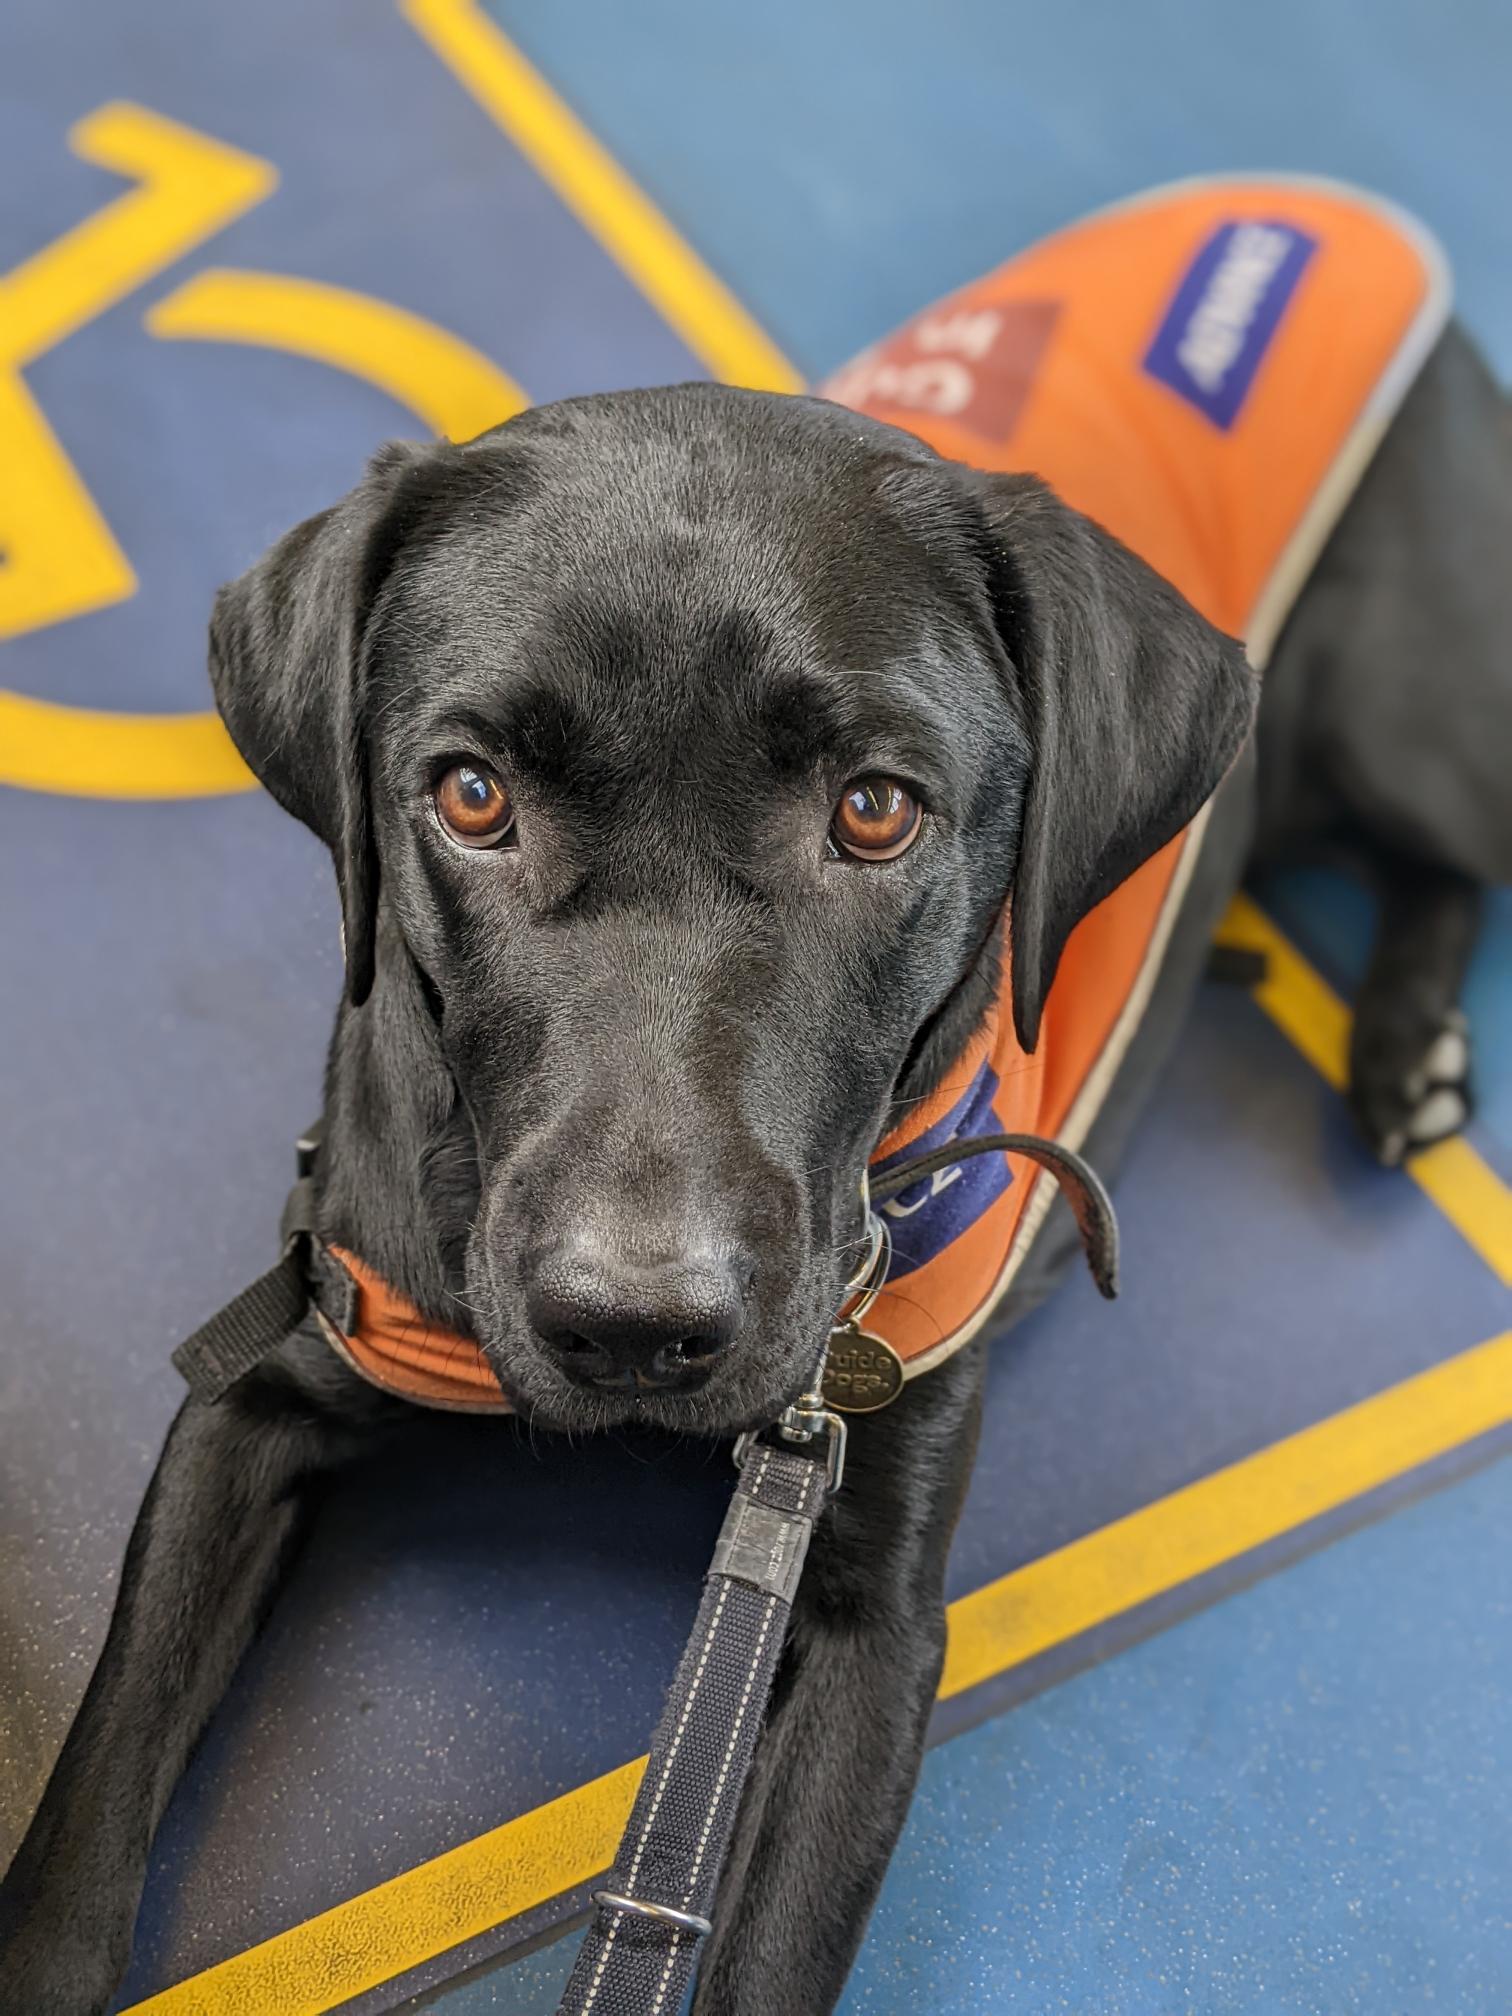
column 1295, row 1802
column 169, row 971
column 842, row 164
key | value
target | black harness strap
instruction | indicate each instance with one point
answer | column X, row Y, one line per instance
column 239, row 1337
column 652, row 1913
column 253, row 1324
column 1080, row 1185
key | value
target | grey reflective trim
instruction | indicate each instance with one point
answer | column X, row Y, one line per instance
column 762, row 1546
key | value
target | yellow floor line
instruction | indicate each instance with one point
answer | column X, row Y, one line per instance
column 453, row 388
column 381, row 1934
column 318, row 1965
column 1227, row 1514
column 688, row 297
column 1464, row 1187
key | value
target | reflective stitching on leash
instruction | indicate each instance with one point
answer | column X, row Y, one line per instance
column 724, row 1772
column 640, row 1846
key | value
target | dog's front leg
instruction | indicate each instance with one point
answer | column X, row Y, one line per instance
column 836, row 1765
column 222, row 1514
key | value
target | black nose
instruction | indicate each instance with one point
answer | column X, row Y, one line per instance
column 612, row 1322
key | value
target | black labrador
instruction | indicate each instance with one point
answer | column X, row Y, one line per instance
column 631, row 996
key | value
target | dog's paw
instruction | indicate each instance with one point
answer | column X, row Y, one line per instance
column 1409, row 1087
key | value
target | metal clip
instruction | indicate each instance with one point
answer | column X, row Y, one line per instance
column 811, row 1414
column 664, row 1914
column 807, row 1417
column 869, row 1277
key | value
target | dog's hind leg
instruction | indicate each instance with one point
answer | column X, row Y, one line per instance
column 1409, row 1056
column 227, row 1504
column 836, row 1764
column 1386, row 732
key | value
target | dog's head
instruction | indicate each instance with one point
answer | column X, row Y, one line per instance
column 681, row 754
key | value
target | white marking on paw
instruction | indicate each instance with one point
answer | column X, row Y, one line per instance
column 1442, row 1112
column 1448, row 1062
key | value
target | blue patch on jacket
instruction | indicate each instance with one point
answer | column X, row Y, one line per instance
column 926, row 1217
column 1225, row 313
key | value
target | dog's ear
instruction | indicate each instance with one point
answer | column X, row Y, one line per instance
column 287, row 662
column 1135, row 707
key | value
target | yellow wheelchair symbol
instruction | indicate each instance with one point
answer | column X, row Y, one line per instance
column 60, row 558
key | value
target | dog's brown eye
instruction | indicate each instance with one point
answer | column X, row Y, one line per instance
column 474, row 806
column 876, row 820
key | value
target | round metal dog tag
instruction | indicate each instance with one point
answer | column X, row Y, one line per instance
column 862, row 1372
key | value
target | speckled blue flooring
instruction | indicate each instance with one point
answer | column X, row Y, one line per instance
column 1294, row 1802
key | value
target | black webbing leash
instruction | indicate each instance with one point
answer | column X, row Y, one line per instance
column 653, row 1911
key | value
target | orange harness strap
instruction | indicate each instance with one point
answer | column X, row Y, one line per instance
column 397, row 1348
column 390, row 1343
